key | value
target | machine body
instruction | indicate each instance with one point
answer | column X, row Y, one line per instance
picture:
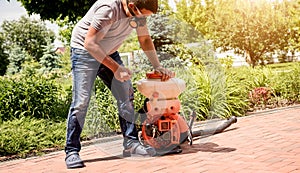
column 163, row 127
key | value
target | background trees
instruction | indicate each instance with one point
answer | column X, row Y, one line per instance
column 28, row 34
column 254, row 28
column 3, row 56
column 49, row 9
column 198, row 14
column 21, row 40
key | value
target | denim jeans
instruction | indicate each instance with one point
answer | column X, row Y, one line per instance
column 85, row 69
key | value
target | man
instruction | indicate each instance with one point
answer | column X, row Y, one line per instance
column 94, row 43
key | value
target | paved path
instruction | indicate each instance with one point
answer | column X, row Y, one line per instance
column 261, row 143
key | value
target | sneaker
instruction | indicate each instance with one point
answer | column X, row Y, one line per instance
column 73, row 160
column 174, row 149
column 136, row 148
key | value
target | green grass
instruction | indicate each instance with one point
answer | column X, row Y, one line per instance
column 30, row 136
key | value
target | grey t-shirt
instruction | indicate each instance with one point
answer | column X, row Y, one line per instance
column 105, row 16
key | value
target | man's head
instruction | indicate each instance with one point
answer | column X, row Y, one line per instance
column 151, row 5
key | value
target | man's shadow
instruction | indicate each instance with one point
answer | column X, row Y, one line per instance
column 104, row 159
column 206, row 147
column 186, row 149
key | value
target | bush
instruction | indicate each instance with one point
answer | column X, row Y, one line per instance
column 16, row 58
column 3, row 56
column 282, row 82
column 212, row 93
column 29, row 135
column 286, row 84
column 33, row 97
column 102, row 116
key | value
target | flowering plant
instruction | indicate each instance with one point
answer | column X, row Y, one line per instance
column 260, row 95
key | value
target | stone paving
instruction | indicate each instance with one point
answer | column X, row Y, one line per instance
column 266, row 142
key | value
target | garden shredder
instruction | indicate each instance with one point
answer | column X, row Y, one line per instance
column 162, row 125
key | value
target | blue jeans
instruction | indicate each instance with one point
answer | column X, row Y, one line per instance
column 85, row 69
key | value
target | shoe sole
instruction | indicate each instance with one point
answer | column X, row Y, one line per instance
column 75, row 165
column 127, row 153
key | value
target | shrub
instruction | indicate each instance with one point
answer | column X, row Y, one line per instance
column 212, row 93
column 102, row 115
column 50, row 60
column 227, row 61
column 29, row 135
column 31, row 96
column 286, row 84
column 260, row 96
column 3, row 56
column 281, row 80
column 16, row 58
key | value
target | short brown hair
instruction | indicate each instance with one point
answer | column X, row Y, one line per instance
column 151, row 5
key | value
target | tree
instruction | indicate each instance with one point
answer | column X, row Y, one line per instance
column 65, row 29
column 3, row 57
column 293, row 35
column 16, row 58
column 198, row 14
column 51, row 10
column 28, row 34
column 253, row 28
column 50, row 60
column 161, row 30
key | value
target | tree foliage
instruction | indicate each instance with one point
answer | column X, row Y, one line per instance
column 29, row 34
column 16, row 58
column 49, row 9
column 65, row 29
column 50, row 60
column 162, row 30
column 3, row 56
column 197, row 14
column 252, row 28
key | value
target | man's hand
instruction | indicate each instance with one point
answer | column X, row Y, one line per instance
column 123, row 74
column 165, row 73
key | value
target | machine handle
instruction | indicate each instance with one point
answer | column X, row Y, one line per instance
column 153, row 75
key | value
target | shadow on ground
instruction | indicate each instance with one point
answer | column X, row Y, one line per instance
column 206, row 147
column 104, row 159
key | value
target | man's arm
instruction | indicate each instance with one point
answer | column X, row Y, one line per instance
column 91, row 45
column 147, row 45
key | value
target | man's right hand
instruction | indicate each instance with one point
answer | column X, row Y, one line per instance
column 123, row 74
column 165, row 73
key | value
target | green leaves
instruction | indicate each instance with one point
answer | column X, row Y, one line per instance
column 3, row 56
column 31, row 97
column 254, row 29
column 212, row 93
column 30, row 136
column 30, row 35
column 49, row 9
